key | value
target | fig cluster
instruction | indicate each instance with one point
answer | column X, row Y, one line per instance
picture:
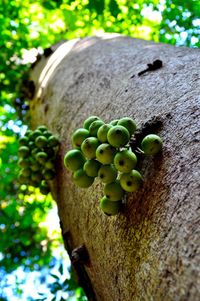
column 102, row 150
column 37, row 154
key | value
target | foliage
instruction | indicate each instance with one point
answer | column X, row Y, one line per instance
column 61, row 287
column 20, row 215
column 27, row 27
column 181, row 23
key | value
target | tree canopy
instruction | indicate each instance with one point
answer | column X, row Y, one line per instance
column 27, row 28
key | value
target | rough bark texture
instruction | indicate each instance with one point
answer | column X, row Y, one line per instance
column 151, row 250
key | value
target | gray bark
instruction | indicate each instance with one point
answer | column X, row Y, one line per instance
column 151, row 251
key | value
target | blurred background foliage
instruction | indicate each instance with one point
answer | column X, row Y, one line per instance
column 26, row 28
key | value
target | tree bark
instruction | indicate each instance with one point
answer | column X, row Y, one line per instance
column 151, row 250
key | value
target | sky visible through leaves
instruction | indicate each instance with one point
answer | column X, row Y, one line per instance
column 29, row 247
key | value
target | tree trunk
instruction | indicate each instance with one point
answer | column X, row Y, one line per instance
column 150, row 251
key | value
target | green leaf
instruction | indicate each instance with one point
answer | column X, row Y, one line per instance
column 114, row 8
column 96, row 5
column 55, row 287
column 55, row 276
column 61, row 269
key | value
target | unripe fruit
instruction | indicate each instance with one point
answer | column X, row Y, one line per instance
column 41, row 141
column 105, row 153
column 41, row 157
column 49, row 174
column 42, row 128
column 26, row 172
column 47, row 134
column 36, row 177
column 35, row 166
column 35, row 134
column 107, row 173
column 118, row 136
column 94, row 126
column 23, row 162
column 23, row 141
column 31, row 145
column 34, row 151
column 24, row 151
column 128, row 123
column 103, row 131
column 22, row 179
column 151, row 144
column 49, row 164
column 53, row 141
column 44, row 188
column 125, row 161
column 89, row 120
column 114, row 191
column 81, row 179
column 91, row 167
column 131, row 181
column 79, row 136
column 28, row 133
column 114, row 122
column 89, row 147
column 74, row 160
column 109, row 207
